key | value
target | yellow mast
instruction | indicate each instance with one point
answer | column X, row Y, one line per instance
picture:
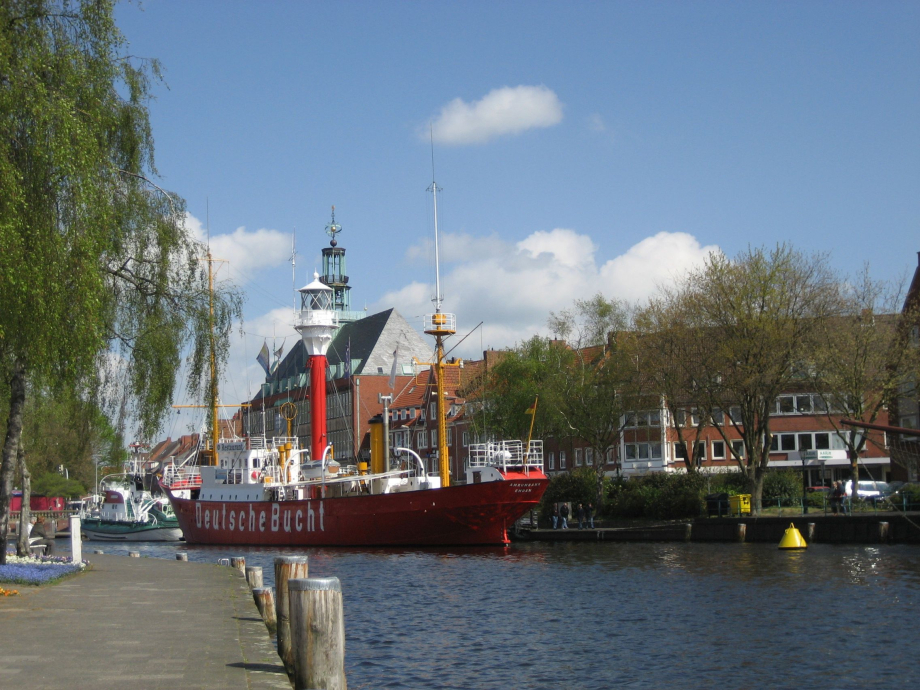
column 215, row 422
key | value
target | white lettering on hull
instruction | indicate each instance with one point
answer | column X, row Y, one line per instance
column 279, row 518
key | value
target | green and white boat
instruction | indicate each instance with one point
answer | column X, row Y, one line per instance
column 130, row 513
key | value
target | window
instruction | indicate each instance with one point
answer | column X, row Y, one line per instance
column 655, row 451
column 552, row 461
column 422, row 439
column 822, row 441
column 632, row 451
column 679, row 452
column 561, row 459
column 610, row 458
column 738, row 449
column 450, row 436
column 803, row 404
column 422, row 414
column 434, row 438
column 466, row 438
column 787, row 441
column 735, row 413
column 433, row 410
column 699, row 452
column 630, row 420
column 786, row 404
column 717, row 416
column 680, row 417
column 806, row 442
column 819, row 404
column 578, row 457
column 589, row 456
column 642, row 419
column 718, row 450
column 654, row 418
column 694, row 416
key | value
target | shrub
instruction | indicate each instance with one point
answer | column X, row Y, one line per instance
column 577, row 487
column 782, row 485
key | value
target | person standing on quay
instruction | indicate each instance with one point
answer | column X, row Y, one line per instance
column 564, row 514
column 580, row 514
column 591, row 515
column 555, row 515
column 836, row 497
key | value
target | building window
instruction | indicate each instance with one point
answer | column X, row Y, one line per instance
column 654, row 418
column 680, row 417
column 589, row 456
column 680, row 452
column 735, row 414
column 434, row 438
column 718, row 450
column 699, row 453
column 561, row 459
column 552, row 461
column 423, row 439
column 578, row 457
column 738, row 448
column 466, row 438
column 718, row 418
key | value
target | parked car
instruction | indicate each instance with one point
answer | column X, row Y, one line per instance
column 869, row 490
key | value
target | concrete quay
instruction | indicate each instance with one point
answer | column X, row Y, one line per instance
column 869, row 528
column 143, row 623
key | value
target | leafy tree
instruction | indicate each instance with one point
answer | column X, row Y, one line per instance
column 54, row 484
column 521, row 375
column 101, row 285
column 599, row 383
column 754, row 320
column 862, row 358
column 672, row 367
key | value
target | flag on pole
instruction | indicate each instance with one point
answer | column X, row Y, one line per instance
column 532, row 409
column 262, row 358
column 277, row 361
column 393, row 369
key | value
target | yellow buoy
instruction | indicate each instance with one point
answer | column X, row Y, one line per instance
column 792, row 539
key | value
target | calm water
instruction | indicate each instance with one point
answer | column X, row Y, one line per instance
column 585, row 616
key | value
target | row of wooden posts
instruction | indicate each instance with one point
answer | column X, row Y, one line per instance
column 306, row 618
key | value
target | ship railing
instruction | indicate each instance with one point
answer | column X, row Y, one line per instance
column 279, row 441
column 257, row 442
column 507, row 454
column 181, row 477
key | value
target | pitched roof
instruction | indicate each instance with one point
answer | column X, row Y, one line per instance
column 372, row 340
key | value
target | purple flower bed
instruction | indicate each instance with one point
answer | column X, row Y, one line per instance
column 37, row 571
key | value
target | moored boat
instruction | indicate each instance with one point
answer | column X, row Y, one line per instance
column 270, row 491
column 130, row 513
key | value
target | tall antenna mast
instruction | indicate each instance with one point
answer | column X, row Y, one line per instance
column 294, row 268
column 437, row 263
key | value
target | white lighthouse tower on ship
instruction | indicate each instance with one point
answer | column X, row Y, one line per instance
column 317, row 324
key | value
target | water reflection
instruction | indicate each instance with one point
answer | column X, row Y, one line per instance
column 603, row 615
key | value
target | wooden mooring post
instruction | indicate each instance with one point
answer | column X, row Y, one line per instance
column 265, row 602
column 238, row 562
column 317, row 633
column 253, row 576
column 182, row 556
column 286, row 568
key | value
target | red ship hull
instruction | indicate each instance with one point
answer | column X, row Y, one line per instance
column 469, row 514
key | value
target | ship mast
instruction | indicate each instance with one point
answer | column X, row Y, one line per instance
column 215, row 422
column 440, row 325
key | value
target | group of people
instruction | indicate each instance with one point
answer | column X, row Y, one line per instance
column 582, row 514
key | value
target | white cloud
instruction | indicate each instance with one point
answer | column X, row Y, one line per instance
column 508, row 110
column 245, row 251
column 596, row 123
column 512, row 288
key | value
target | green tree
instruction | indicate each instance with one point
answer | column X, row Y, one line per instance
column 101, row 285
column 862, row 358
column 599, row 383
column 754, row 319
column 511, row 386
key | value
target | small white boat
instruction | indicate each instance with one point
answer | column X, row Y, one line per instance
column 130, row 513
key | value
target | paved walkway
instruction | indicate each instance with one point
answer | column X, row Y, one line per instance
column 138, row 623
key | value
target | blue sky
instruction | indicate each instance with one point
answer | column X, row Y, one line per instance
column 581, row 146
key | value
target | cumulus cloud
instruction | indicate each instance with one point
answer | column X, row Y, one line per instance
column 246, row 251
column 513, row 287
column 508, row 110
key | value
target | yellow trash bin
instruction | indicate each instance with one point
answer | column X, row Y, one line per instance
column 740, row 504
